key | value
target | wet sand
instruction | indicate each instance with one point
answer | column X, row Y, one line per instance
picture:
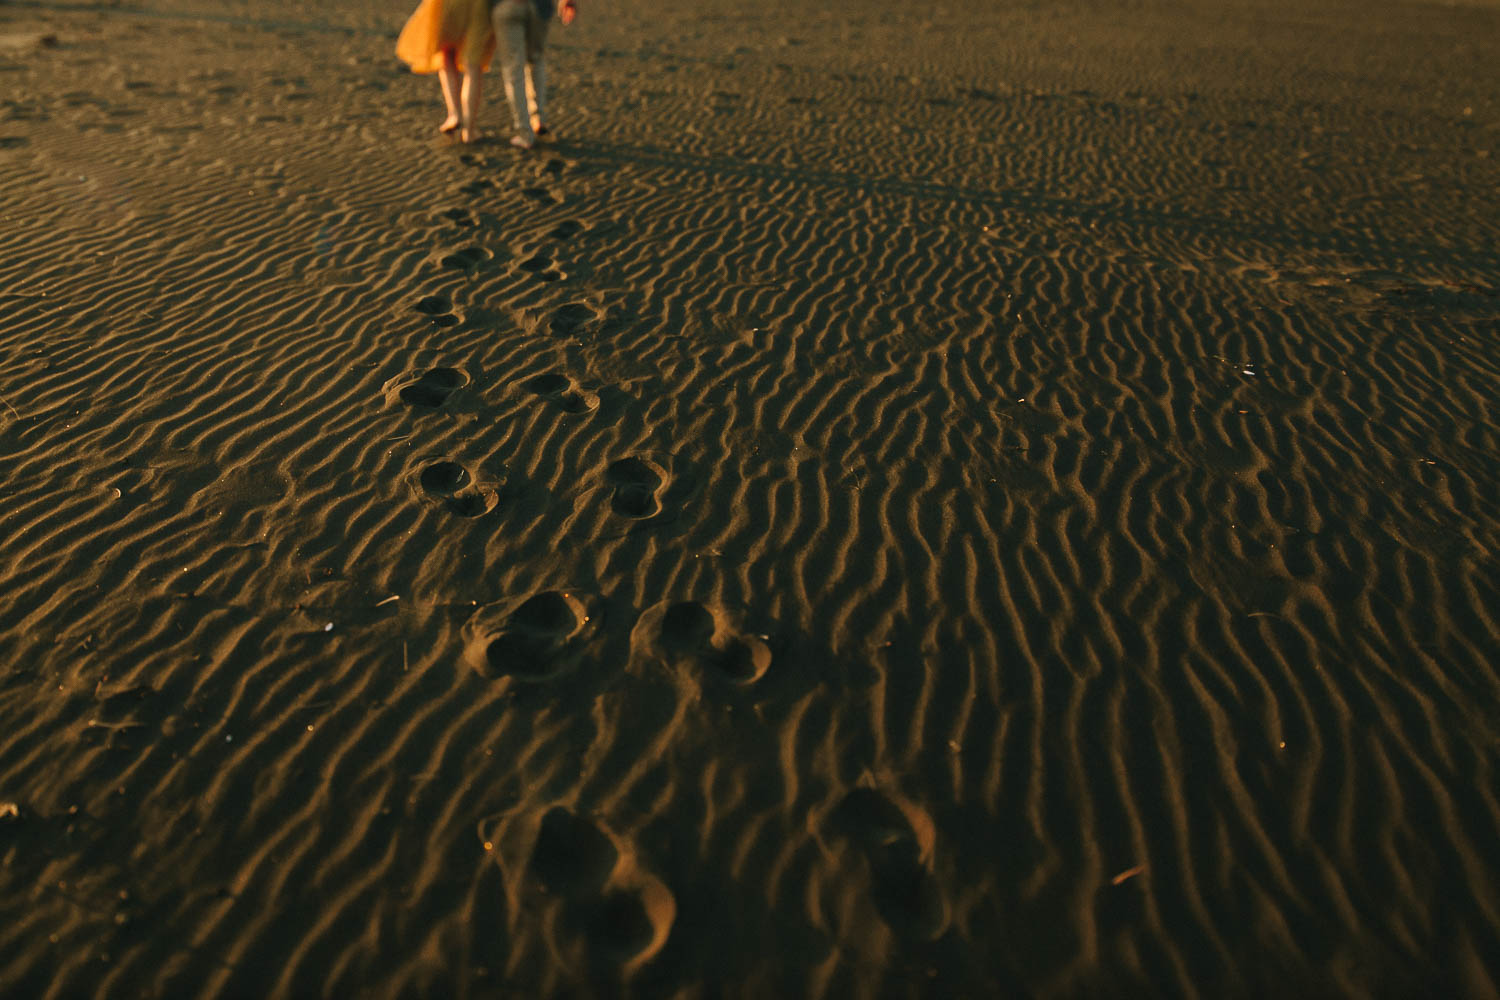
column 918, row 502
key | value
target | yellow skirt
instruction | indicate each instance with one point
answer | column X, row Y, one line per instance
column 438, row 25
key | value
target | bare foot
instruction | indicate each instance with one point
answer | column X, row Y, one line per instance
column 470, row 134
column 521, row 143
column 450, row 125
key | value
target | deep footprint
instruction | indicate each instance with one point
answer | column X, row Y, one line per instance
column 625, row 913
column 559, row 390
column 691, row 631
column 433, row 387
column 906, row 894
column 437, row 309
column 534, row 636
column 572, row 857
column 621, row 926
column 638, row 484
column 687, row 627
column 466, row 259
column 548, row 384
column 444, row 478
column 744, row 659
column 569, row 319
column 473, row 503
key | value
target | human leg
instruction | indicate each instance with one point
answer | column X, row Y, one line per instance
column 536, row 71
column 448, row 75
column 473, row 94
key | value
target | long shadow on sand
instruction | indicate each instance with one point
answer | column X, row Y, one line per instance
column 1393, row 253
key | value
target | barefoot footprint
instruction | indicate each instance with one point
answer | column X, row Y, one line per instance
column 687, row 627
column 897, row 840
column 642, row 492
column 438, row 309
column 571, row 318
column 444, row 478
column 710, row 640
column 625, row 913
column 540, row 266
column 457, row 216
column 690, row 630
column 573, row 857
column 466, row 259
column 451, row 483
column 563, row 392
column 429, row 388
column 638, row 483
column 473, row 503
column 535, row 640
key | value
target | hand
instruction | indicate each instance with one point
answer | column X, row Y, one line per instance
column 568, row 11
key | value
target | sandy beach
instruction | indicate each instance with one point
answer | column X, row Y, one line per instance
column 920, row 500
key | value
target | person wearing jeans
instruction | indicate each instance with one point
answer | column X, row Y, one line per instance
column 522, row 27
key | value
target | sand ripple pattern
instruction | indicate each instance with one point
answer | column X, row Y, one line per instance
column 851, row 517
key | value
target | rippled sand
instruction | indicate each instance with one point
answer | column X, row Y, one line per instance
column 929, row 501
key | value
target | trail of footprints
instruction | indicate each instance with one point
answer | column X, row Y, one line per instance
column 621, row 911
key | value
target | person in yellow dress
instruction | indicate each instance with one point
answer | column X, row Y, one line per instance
column 454, row 39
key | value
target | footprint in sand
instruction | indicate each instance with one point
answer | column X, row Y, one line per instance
column 573, row 857
column 694, row 631
column 565, row 230
column 443, row 478
column 428, row 389
column 473, row 503
column 570, row 318
column 540, row 195
column 535, row 639
column 540, row 266
column 438, row 309
column 451, row 484
column 466, row 259
column 897, row 840
column 623, row 913
column 642, row 492
column 458, row 217
column 711, row 641
column 562, row 392
column 638, row 485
